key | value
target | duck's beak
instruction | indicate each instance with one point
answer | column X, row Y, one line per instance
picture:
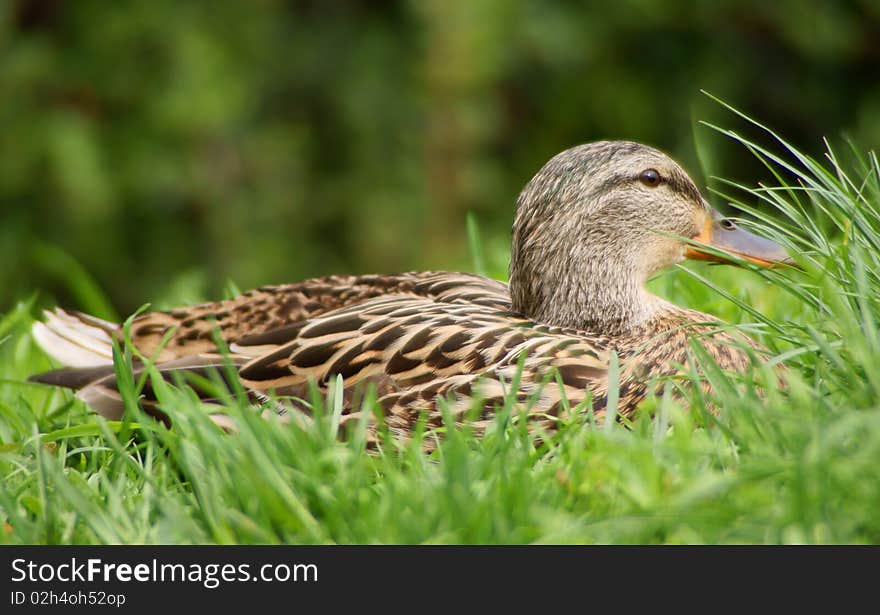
column 725, row 236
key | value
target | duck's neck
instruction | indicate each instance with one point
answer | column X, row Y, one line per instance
column 604, row 298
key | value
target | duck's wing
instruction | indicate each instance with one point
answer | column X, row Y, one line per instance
column 266, row 314
column 255, row 323
column 412, row 351
column 270, row 314
column 416, row 352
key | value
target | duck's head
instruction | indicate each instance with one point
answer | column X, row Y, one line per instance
column 598, row 220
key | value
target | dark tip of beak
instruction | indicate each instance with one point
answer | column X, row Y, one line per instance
column 725, row 236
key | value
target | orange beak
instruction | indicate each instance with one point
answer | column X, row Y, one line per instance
column 724, row 236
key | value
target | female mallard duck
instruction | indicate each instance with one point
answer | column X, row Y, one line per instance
column 591, row 227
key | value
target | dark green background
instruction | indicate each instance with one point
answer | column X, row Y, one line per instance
column 169, row 146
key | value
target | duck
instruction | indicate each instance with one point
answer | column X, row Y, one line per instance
column 574, row 321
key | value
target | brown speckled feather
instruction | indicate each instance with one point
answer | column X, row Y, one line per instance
column 271, row 314
column 437, row 335
column 418, row 351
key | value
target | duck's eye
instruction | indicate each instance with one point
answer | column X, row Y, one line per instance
column 650, row 177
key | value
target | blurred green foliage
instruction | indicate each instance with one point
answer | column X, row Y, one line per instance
column 169, row 146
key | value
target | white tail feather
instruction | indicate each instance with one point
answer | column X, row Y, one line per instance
column 75, row 341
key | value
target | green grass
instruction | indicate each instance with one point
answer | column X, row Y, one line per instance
column 798, row 464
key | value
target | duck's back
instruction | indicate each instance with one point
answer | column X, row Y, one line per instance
column 273, row 314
